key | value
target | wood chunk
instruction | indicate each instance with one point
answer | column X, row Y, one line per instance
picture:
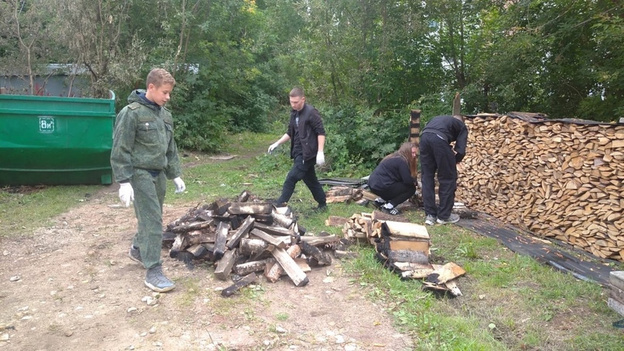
column 298, row 276
column 246, row 280
column 225, row 264
column 244, row 228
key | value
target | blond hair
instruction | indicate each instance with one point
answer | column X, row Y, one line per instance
column 158, row 77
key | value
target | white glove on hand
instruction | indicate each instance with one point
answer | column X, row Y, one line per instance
column 272, row 147
column 320, row 158
column 126, row 193
column 179, row 184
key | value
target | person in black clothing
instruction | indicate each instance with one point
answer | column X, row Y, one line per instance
column 394, row 179
column 307, row 142
column 437, row 155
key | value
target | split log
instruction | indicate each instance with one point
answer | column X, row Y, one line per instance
column 251, row 246
column 246, row 280
column 410, row 230
column 408, row 256
column 335, row 221
column 298, row 276
column 276, row 270
column 242, row 230
column 187, row 227
column 225, row 264
column 274, row 230
column 220, row 240
column 282, row 220
column 250, row 266
column 320, row 240
column 278, row 242
column 315, row 257
column 250, row 208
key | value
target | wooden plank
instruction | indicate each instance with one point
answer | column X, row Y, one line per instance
column 296, row 274
column 244, row 228
column 225, row 264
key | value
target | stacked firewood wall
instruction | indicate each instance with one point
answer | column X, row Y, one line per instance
column 561, row 179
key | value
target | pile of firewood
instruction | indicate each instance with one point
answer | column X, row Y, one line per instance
column 557, row 178
column 245, row 236
column 403, row 248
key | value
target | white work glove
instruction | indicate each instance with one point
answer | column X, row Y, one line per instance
column 126, row 193
column 179, row 184
column 272, row 147
column 320, row 158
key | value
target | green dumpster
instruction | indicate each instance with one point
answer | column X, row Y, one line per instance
column 55, row 140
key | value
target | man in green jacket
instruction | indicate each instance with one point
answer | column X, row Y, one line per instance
column 143, row 157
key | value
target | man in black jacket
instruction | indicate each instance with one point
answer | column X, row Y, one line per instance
column 437, row 155
column 307, row 142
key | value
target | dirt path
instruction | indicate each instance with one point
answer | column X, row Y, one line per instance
column 71, row 286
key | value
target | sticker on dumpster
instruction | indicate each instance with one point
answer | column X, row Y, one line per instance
column 46, row 124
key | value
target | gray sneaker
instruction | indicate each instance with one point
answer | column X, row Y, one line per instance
column 135, row 254
column 156, row 280
column 453, row 218
column 430, row 220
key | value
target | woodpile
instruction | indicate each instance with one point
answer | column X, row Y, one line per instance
column 403, row 248
column 559, row 179
column 246, row 236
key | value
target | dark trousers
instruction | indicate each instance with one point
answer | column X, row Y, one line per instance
column 302, row 171
column 396, row 193
column 149, row 196
column 436, row 155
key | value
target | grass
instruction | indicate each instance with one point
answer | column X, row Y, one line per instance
column 509, row 302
